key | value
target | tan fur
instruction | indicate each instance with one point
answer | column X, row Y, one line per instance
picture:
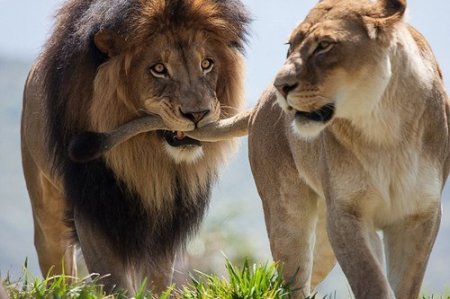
column 379, row 164
column 3, row 294
column 119, row 92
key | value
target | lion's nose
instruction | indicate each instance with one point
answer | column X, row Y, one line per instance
column 195, row 116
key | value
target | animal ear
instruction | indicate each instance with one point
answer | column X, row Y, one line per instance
column 107, row 42
column 384, row 14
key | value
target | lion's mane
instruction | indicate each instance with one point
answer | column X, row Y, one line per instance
column 136, row 196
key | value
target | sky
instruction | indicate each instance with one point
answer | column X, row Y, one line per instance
column 25, row 25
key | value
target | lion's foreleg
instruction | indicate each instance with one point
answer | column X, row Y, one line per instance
column 159, row 273
column 52, row 239
column 408, row 245
column 102, row 259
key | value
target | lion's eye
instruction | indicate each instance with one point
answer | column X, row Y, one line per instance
column 323, row 47
column 159, row 70
column 207, row 65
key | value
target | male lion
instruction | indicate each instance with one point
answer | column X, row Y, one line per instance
column 361, row 145
column 106, row 63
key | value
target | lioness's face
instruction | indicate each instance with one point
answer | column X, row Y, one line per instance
column 333, row 68
column 177, row 79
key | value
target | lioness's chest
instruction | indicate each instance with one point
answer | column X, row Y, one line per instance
column 385, row 186
column 401, row 184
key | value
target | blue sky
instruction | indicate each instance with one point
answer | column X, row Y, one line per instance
column 25, row 25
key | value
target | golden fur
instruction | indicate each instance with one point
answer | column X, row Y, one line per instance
column 75, row 87
column 132, row 158
column 352, row 140
column 361, row 146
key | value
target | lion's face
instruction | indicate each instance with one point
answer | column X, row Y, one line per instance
column 336, row 67
column 177, row 78
column 175, row 75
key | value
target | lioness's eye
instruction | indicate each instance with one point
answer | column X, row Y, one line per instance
column 289, row 52
column 323, row 47
column 159, row 70
column 207, row 64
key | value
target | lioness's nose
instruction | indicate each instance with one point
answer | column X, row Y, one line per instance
column 286, row 81
column 285, row 89
column 195, row 116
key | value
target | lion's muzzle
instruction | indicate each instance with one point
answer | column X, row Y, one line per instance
column 178, row 138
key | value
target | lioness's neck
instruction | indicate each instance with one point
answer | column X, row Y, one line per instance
column 399, row 109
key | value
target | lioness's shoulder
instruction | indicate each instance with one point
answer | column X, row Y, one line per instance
column 424, row 48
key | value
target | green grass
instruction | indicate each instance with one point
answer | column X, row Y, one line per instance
column 246, row 282
column 257, row 281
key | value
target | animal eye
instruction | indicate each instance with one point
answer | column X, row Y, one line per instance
column 159, row 70
column 207, row 65
column 323, row 47
column 289, row 51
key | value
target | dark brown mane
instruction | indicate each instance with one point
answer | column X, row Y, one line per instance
column 70, row 64
column 70, row 58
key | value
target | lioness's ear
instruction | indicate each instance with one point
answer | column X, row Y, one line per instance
column 384, row 14
column 107, row 42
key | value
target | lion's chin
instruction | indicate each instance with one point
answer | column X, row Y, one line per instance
column 184, row 154
column 180, row 147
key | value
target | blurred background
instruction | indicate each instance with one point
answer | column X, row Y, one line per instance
column 234, row 226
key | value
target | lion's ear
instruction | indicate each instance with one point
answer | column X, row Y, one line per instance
column 384, row 15
column 107, row 42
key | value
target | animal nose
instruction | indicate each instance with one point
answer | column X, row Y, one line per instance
column 286, row 80
column 285, row 87
column 195, row 116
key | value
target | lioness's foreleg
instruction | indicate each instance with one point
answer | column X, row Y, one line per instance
column 352, row 244
column 408, row 246
column 377, row 246
column 324, row 258
column 290, row 209
column 290, row 206
column 291, row 223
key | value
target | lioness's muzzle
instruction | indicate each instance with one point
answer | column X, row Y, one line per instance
column 323, row 114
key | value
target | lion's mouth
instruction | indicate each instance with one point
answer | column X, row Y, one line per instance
column 179, row 138
column 324, row 114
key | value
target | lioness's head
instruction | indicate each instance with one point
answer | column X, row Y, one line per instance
column 182, row 60
column 338, row 62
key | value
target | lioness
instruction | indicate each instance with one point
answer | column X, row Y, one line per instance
column 359, row 145
column 107, row 63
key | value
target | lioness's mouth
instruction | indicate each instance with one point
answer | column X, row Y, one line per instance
column 179, row 138
column 324, row 114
